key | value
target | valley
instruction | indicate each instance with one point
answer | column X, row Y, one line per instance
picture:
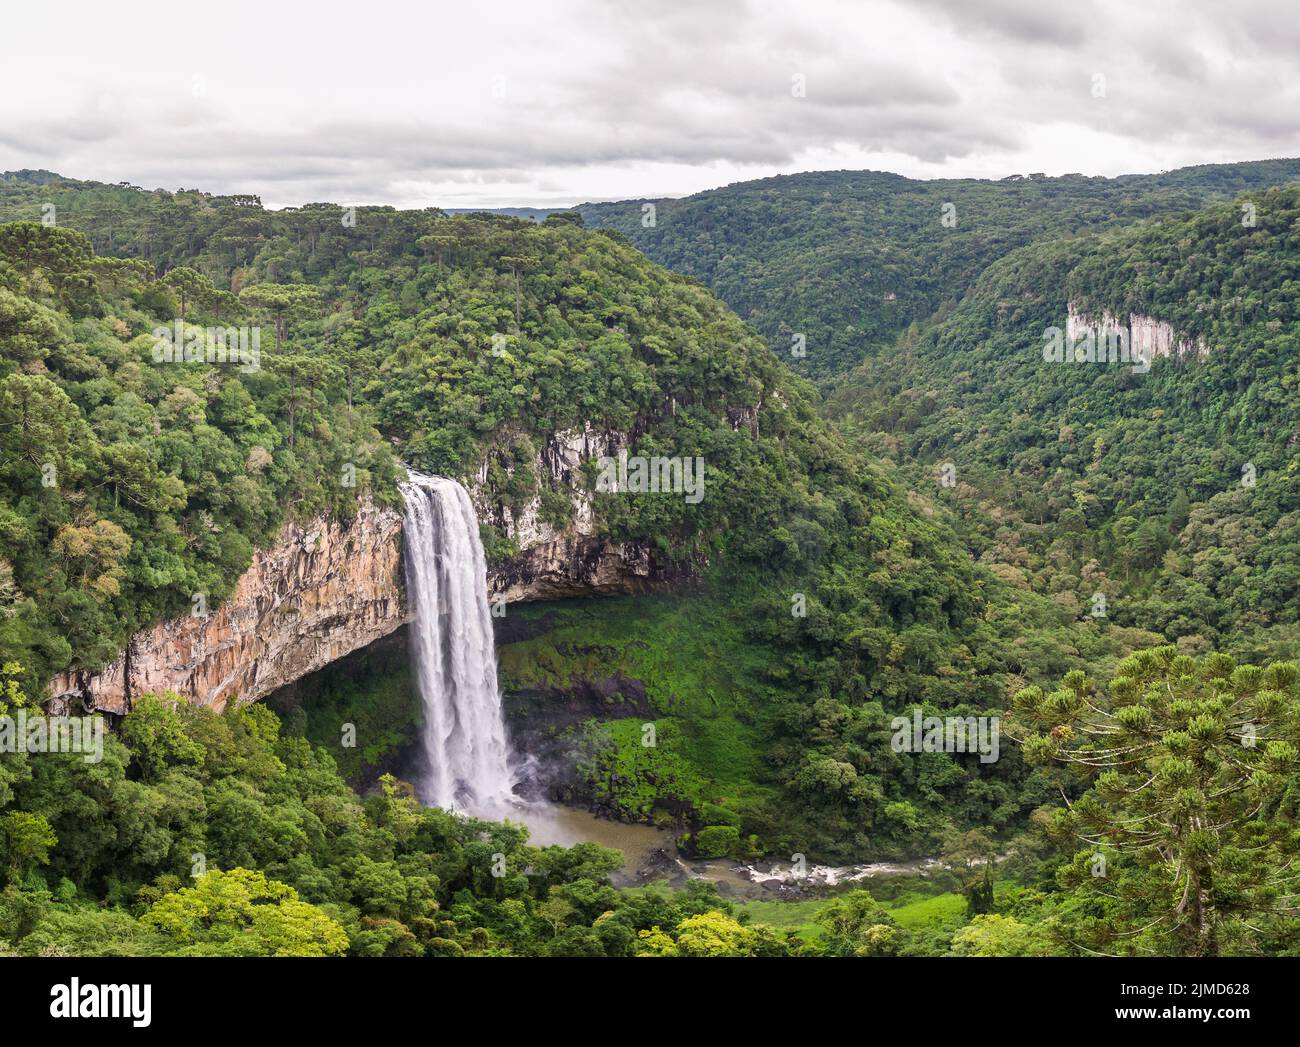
column 647, row 688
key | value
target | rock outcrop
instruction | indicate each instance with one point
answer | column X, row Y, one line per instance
column 1147, row 337
column 319, row 592
column 572, row 560
column 557, row 463
column 574, row 566
column 325, row 590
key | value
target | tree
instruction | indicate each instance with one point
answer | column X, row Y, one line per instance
column 25, row 840
column 971, row 855
column 58, row 253
column 40, row 424
column 991, row 934
column 242, row 913
column 519, row 264
column 1188, row 760
column 286, row 303
column 157, row 737
column 95, row 555
column 190, row 287
column 858, row 925
column 11, row 692
column 707, row 934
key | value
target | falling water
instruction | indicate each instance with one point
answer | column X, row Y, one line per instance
column 467, row 757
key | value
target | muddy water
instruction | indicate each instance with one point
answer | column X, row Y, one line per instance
column 554, row 824
column 651, row 854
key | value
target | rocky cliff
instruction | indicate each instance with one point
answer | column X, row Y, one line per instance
column 572, row 560
column 316, row 594
column 328, row 589
column 1147, row 337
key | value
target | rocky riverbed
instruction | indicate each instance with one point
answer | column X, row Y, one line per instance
column 652, row 856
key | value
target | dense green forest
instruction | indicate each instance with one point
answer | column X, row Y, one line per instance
column 609, row 339
column 1173, row 492
column 127, row 485
column 281, row 857
column 447, row 342
column 847, row 260
column 829, row 582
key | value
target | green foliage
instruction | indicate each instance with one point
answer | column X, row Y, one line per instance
column 467, row 342
column 1187, row 830
column 207, row 834
column 718, row 841
column 855, row 924
column 128, row 485
column 995, row 935
column 1172, row 493
column 368, row 701
column 157, row 737
column 776, row 724
column 242, row 913
column 830, row 595
column 714, row 934
column 851, row 259
column 635, row 781
column 25, row 840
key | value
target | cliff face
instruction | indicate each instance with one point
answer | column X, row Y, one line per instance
column 1148, row 338
column 316, row 594
column 572, row 560
column 324, row 591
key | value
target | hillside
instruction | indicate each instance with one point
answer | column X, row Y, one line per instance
column 850, row 259
column 459, row 345
column 828, row 594
column 1173, row 490
column 826, row 583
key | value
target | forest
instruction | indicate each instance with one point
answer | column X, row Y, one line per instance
column 917, row 516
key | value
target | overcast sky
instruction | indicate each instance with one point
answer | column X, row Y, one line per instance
column 555, row 102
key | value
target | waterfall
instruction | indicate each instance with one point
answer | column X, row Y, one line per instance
column 467, row 757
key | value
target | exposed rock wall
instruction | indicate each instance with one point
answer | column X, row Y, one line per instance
column 316, row 594
column 1148, row 338
column 324, row 591
column 572, row 560
column 574, row 566
column 558, row 462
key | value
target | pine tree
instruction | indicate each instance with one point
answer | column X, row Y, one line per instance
column 1183, row 851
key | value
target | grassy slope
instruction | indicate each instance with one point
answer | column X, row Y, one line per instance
column 701, row 678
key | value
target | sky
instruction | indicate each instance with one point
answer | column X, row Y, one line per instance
column 556, row 102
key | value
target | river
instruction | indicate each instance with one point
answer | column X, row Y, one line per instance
column 650, row 854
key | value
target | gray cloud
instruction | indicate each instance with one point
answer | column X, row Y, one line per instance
column 1023, row 21
column 585, row 99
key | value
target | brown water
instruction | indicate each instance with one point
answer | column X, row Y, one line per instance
column 555, row 824
column 566, row 826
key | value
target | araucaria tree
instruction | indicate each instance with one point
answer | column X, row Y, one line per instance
column 1187, row 844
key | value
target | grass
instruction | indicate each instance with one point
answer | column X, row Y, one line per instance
column 691, row 654
column 940, row 912
column 786, row 916
column 912, row 911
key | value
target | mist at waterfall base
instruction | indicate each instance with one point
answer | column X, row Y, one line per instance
column 466, row 763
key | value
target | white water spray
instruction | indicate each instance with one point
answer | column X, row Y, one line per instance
column 467, row 756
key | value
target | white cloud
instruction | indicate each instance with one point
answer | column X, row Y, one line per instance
column 386, row 102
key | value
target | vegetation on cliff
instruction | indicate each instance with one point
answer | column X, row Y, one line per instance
column 931, row 539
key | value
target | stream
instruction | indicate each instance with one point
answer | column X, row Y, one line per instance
column 650, row 855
